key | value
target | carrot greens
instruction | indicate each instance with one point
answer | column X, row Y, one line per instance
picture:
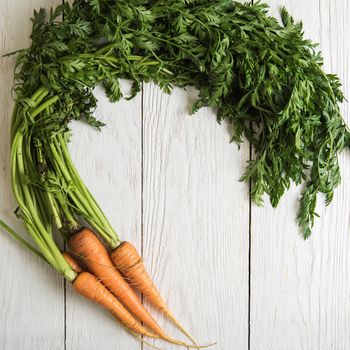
column 262, row 77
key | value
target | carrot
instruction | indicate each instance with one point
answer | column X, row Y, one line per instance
column 72, row 262
column 88, row 247
column 89, row 286
column 129, row 262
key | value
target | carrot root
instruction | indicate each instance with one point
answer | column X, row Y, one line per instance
column 191, row 346
column 72, row 262
column 129, row 262
column 88, row 285
column 86, row 245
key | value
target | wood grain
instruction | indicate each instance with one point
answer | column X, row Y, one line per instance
column 169, row 183
column 300, row 289
column 31, row 293
column 195, row 216
column 335, row 262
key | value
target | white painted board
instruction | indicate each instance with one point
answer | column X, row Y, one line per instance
column 169, row 183
column 196, row 218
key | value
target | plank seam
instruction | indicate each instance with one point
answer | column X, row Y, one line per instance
column 142, row 185
column 65, row 311
column 250, row 241
column 64, row 280
column 249, row 249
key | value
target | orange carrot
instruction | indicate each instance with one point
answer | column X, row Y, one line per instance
column 89, row 286
column 72, row 262
column 129, row 262
column 88, row 247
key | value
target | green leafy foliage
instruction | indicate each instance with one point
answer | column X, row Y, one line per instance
column 262, row 77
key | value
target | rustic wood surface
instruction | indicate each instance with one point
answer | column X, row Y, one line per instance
column 234, row 273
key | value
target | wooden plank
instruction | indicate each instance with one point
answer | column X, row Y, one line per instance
column 31, row 293
column 299, row 288
column 335, row 262
column 110, row 164
column 195, row 218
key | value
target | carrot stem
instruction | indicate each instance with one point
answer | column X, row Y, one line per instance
column 18, row 237
column 27, row 199
column 54, row 211
column 108, row 232
column 43, row 106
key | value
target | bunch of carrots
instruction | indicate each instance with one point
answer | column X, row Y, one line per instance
column 51, row 194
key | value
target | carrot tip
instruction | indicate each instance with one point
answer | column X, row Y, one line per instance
column 181, row 328
column 191, row 346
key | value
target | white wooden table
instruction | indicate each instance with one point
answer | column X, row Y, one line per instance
column 233, row 273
